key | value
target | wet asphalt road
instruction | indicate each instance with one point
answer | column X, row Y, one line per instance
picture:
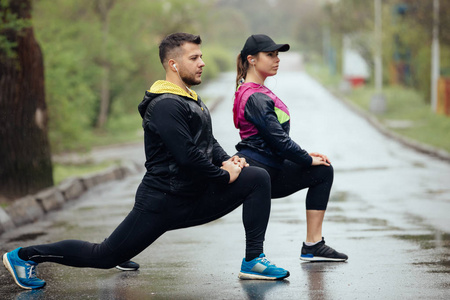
column 389, row 212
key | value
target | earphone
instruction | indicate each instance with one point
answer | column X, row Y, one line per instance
column 175, row 67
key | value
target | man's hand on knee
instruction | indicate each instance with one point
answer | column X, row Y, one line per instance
column 240, row 161
column 232, row 168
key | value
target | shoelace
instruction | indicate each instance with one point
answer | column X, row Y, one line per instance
column 265, row 261
column 31, row 270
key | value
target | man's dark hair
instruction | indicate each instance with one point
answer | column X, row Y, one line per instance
column 170, row 44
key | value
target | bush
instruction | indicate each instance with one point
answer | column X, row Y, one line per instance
column 217, row 60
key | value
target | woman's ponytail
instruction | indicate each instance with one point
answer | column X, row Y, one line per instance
column 242, row 68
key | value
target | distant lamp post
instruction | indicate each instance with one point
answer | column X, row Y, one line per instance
column 378, row 101
column 435, row 57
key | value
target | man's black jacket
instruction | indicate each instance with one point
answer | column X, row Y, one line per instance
column 182, row 155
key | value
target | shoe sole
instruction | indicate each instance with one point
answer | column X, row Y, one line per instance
column 249, row 276
column 126, row 269
column 9, row 267
column 322, row 259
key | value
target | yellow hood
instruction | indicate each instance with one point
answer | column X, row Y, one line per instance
column 164, row 86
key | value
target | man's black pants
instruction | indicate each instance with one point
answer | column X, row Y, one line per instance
column 155, row 212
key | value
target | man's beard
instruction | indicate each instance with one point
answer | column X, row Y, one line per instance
column 190, row 80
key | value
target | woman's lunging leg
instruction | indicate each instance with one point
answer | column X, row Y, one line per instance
column 252, row 189
column 318, row 179
column 256, row 212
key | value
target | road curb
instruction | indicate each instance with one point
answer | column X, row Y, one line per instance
column 32, row 208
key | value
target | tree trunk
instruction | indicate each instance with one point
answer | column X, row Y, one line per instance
column 104, row 91
column 25, row 158
column 102, row 8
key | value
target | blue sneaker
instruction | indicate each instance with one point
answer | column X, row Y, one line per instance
column 261, row 268
column 23, row 272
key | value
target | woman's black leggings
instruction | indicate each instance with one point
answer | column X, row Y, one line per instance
column 292, row 177
column 155, row 212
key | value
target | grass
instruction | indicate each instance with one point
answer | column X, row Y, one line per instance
column 64, row 171
column 406, row 111
column 119, row 130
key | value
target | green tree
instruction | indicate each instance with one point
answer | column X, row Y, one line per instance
column 70, row 39
column 413, row 27
column 87, row 60
column 407, row 27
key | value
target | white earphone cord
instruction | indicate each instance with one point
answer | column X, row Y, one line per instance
column 176, row 69
column 257, row 75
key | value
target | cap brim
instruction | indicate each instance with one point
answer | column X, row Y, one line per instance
column 279, row 47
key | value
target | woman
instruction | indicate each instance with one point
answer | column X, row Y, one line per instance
column 263, row 121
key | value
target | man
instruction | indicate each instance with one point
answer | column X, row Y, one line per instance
column 190, row 180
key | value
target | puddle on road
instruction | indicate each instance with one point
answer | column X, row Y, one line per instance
column 419, row 165
column 339, row 197
column 437, row 266
column 256, row 289
column 438, row 243
column 292, row 221
column 438, row 191
column 362, row 169
column 63, row 224
column 26, row 237
column 368, row 221
column 428, row 241
column 87, row 208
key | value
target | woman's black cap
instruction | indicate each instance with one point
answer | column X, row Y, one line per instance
column 261, row 43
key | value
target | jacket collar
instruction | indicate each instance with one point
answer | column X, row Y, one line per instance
column 164, row 86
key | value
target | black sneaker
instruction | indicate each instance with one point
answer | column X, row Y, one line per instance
column 321, row 252
column 128, row 266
